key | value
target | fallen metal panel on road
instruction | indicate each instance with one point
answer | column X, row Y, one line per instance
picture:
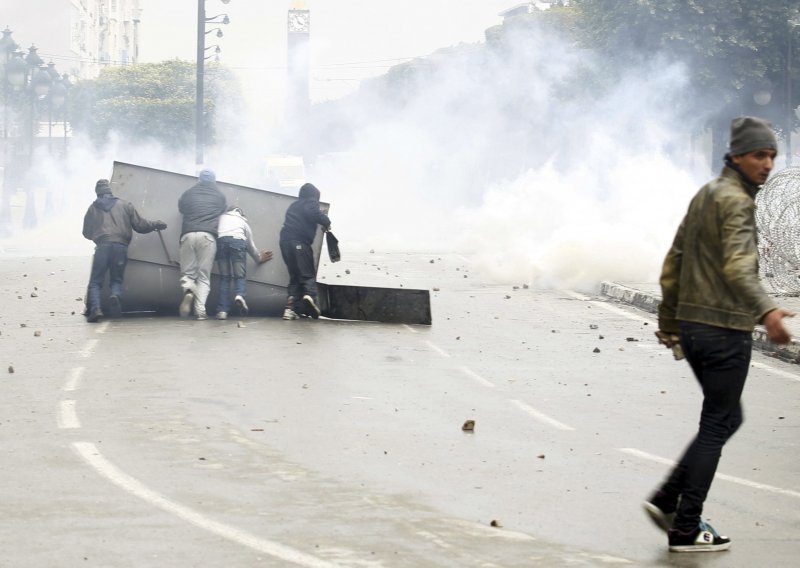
column 389, row 305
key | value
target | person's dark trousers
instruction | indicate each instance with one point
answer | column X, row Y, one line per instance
column 111, row 258
column 299, row 259
column 720, row 359
column 232, row 259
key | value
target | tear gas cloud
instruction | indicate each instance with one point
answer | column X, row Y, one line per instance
column 485, row 156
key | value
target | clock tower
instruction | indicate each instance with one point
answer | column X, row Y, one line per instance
column 299, row 30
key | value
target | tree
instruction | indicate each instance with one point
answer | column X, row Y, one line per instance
column 734, row 49
column 148, row 102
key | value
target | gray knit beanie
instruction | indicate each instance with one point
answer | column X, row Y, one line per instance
column 102, row 187
column 749, row 133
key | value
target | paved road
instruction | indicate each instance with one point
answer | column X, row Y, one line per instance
column 169, row 442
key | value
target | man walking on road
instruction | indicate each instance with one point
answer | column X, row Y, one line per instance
column 201, row 206
column 110, row 222
column 711, row 300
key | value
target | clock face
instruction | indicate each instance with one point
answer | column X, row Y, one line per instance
column 298, row 21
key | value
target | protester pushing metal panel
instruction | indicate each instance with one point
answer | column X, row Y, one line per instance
column 152, row 278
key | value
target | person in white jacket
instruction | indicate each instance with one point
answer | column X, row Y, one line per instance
column 234, row 242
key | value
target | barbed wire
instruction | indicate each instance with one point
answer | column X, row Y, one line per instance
column 778, row 222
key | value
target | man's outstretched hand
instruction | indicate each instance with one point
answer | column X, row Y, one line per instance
column 773, row 323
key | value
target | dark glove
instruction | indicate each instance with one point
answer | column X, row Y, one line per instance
column 160, row 225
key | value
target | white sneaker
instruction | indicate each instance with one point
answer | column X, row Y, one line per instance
column 241, row 304
column 313, row 309
column 288, row 314
column 202, row 316
column 222, row 315
column 186, row 304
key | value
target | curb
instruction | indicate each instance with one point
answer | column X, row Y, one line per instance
column 649, row 302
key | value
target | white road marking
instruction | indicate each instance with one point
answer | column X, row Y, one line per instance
column 439, row 350
column 469, row 372
column 541, row 417
column 74, row 379
column 102, row 327
column 652, row 347
column 116, row 476
column 576, row 295
column 731, row 478
column 409, row 328
column 773, row 370
column 86, row 352
column 67, row 417
column 609, row 307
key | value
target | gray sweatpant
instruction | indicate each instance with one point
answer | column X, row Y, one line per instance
column 198, row 250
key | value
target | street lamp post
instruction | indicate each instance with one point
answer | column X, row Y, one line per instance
column 7, row 47
column 31, row 79
column 199, row 122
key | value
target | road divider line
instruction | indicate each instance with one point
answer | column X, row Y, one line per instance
column 87, row 350
column 102, row 327
column 607, row 306
column 731, row 478
column 409, row 328
column 439, row 350
column 470, row 373
column 74, row 379
column 67, row 417
column 773, row 370
column 95, row 459
column 541, row 417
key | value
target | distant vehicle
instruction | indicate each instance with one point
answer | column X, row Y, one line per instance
column 284, row 172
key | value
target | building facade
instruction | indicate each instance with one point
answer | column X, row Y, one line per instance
column 79, row 36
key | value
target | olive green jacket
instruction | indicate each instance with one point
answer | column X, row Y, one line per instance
column 710, row 274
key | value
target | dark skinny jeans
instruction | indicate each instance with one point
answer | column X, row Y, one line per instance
column 299, row 259
column 720, row 359
column 111, row 258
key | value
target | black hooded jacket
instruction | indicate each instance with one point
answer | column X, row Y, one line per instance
column 110, row 219
column 303, row 216
column 201, row 205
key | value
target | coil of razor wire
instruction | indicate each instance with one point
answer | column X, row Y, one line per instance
column 778, row 222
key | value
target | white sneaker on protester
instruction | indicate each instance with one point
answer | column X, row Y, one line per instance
column 241, row 304
column 186, row 304
column 313, row 310
column 222, row 315
column 288, row 314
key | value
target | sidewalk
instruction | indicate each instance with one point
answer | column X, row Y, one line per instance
column 647, row 295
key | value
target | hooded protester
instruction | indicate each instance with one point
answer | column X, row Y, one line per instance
column 201, row 205
column 110, row 222
column 234, row 242
column 297, row 235
column 712, row 298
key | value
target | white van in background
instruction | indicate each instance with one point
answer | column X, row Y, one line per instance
column 284, row 173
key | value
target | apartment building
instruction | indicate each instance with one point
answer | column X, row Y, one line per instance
column 79, row 36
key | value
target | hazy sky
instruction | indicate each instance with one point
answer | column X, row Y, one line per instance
column 350, row 39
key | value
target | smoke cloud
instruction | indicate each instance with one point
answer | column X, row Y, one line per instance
column 497, row 153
